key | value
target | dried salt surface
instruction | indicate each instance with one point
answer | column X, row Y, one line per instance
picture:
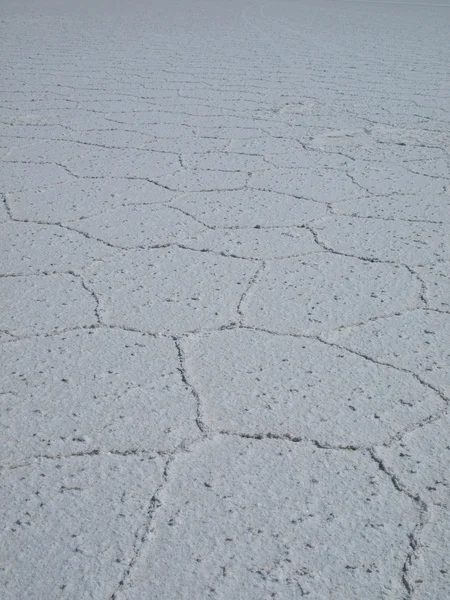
column 324, row 185
column 249, row 208
column 316, row 293
column 256, row 242
column 101, row 162
column 88, row 389
column 4, row 216
column 29, row 248
column 431, row 570
column 437, row 280
column 399, row 207
column 275, row 521
column 415, row 341
column 84, row 513
column 170, row 290
column 225, row 292
column 420, row 460
column 408, row 242
column 21, row 175
column 383, row 178
column 143, row 226
column 82, row 198
column 300, row 388
column 204, row 180
column 44, row 304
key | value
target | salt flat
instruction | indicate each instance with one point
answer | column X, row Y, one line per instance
column 225, row 292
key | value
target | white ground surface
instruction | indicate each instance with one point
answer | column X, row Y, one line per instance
column 225, row 289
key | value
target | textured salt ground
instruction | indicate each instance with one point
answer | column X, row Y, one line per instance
column 224, row 288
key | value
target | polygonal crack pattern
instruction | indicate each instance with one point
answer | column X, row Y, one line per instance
column 225, row 301
column 250, row 537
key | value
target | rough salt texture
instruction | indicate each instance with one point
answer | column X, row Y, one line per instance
column 432, row 569
column 31, row 248
column 282, row 386
column 142, row 226
column 84, row 513
column 170, row 290
column 250, row 208
column 275, row 523
column 257, row 243
column 420, row 460
column 416, row 341
column 82, row 198
column 225, row 300
column 411, row 243
column 94, row 389
column 321, row 292
column 45, row 304
column 437, row 280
